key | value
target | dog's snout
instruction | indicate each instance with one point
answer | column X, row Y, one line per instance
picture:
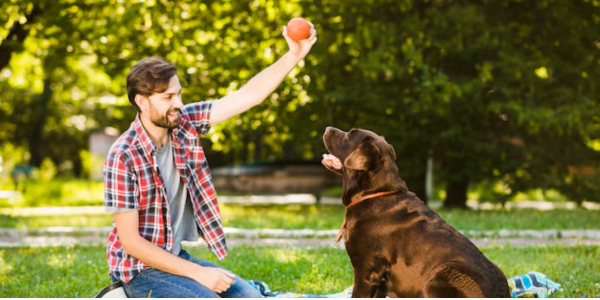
column 328, row 130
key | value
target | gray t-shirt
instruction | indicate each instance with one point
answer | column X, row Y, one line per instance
column 182, row 213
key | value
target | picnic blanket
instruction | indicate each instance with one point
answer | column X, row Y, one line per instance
column 532, row 284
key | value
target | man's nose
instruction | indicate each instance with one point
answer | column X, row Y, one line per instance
column 178, row 102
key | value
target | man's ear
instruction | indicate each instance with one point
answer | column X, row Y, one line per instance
column 142, row 102
column 364, row 156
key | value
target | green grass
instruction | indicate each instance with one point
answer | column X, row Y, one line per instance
column 80, row 192
column 575, row 268
column 522, row 219
column 81, row 271
column 288, row 216
column 331, row 217
column 36, row 221
column 57, row 192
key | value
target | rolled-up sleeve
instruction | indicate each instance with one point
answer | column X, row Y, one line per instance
column 198, row 114
column 119, row 184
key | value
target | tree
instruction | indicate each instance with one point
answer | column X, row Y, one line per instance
column 494, row 91
column 483, row 85
column 19, row 18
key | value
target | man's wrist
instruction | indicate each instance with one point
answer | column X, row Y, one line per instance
column 293, row 58
column 191, row 269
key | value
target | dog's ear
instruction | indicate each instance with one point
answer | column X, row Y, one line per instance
column 364, row 156
column 393, row 152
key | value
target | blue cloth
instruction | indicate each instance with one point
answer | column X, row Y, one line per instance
column 266, row 292
column 532, row 284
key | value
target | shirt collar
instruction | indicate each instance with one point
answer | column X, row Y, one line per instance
column 141, row 131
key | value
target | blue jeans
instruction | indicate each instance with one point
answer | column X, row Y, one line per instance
column 154, row 283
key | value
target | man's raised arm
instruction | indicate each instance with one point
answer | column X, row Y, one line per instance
column 264, row 83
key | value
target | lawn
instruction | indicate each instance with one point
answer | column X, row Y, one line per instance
column 76, row 192
column 328, row 217
column 331, row 217
column 81, row 271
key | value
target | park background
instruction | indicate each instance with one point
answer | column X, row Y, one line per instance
column 488, row 104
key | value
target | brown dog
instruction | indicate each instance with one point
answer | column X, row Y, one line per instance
column 398, row 246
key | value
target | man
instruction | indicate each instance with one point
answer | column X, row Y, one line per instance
column 159, row 187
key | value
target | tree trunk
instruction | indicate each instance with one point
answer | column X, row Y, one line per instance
column 456, row 194
column 36, row 136
column 256, row 156
column 77, row 161
column 77, row 166
column 416, row 184
column 457, row 184
column 244, row 151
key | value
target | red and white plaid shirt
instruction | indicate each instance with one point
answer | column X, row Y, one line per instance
column 132, row 180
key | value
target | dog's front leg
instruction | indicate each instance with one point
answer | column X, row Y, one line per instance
column 368, row 284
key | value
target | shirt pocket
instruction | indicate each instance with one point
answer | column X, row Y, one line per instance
column 194, row 153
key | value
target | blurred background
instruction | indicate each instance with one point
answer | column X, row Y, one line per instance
column 489, row 101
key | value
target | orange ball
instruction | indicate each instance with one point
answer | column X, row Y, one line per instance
column 298, row 29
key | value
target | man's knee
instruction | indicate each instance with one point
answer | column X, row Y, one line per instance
column 158, row 284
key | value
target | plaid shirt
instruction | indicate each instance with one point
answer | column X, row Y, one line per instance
column 132, row 180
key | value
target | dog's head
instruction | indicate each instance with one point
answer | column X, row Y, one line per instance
column 368, row 162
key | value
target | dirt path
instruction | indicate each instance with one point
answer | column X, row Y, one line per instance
column 302, row 199
column 9, row 241
column 59, row 236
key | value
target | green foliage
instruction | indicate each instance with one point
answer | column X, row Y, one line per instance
column 493, row 90
column 541, row 195
column 81, row 271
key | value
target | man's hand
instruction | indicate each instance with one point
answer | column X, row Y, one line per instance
column 300, row 48
column 217, row 280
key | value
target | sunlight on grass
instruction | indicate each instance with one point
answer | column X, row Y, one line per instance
column 317, row 270
column 36, row 222
column 61, row 260
column 522, row 219
column 330, row 217
column 42, row 193
column 285, row 257
column 4, row 267
column 575, row 268
column 288, row 216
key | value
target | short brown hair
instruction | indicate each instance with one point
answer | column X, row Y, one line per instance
column 148, row 76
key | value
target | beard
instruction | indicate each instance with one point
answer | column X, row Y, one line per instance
column 163, row 120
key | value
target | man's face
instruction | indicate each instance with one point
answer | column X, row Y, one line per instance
column 164, row 107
